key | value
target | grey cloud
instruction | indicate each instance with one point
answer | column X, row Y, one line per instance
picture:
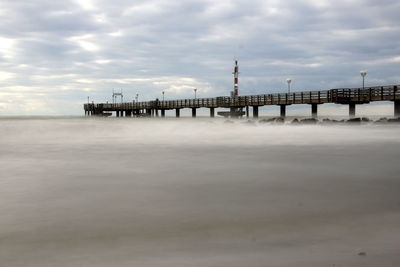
column 318, row 43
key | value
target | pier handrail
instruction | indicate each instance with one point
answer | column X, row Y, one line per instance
column 339, row 95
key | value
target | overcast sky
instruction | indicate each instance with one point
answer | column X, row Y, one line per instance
column 53, row 54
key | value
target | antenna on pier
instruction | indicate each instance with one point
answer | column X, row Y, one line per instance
column 235, row 79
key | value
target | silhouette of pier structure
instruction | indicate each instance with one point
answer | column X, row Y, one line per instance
column 345, row 96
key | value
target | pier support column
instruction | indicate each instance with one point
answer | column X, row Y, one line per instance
column 212, row 112
column 117, row 113
column 247, row 111
column 255, row 111
column 352, row 110
column 397, row 108
column 314, row 110
column 163, row 113
column 178, row 112
column 283, row 111
column 194, row 112
column 156, row 111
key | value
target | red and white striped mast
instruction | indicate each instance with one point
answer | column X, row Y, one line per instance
column 236, row 79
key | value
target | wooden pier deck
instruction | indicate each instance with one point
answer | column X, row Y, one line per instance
column 347, row 96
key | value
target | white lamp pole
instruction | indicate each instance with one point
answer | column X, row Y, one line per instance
column 195, row 93
column 288, row 80
column 163, row 92
column 137, row 97
column 363, row 73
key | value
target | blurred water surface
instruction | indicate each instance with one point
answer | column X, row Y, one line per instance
column 139, row 192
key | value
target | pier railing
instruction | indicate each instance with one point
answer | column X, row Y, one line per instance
column 339, row 96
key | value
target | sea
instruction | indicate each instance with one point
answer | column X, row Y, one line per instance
column 202, row 192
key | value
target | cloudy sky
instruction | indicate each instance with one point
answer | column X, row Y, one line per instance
column 53, row 54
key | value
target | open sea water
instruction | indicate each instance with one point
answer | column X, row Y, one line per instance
column 197, row 192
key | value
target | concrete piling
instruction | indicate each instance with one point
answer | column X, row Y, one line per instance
column 283, row 111
column 352, row 110
column 212, row 112
column 255, row 112
column 314, row 110
column 397, row 108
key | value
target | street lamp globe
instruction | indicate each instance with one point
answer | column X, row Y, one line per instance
column 363, row 73
column 289, row 80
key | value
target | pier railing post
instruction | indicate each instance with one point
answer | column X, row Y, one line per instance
column 396, row 102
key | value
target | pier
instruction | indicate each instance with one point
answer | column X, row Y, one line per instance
column 240, row 105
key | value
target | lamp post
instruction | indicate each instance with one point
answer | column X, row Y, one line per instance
column 163, row 92
column 137, row 97
column 288, row 80
column 195, row 93
column 363, row 73
column 88, row 100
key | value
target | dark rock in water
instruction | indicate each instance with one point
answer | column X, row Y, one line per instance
column 330, row 121
column 276, row 120
column 394, row 120
column 354, row 120
column 267, row 120
column 295, row 121
column 228, row 121
column 309, row 121
column 250, row 122
column 381, row 120
column 365, row 119
column 362, row 253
